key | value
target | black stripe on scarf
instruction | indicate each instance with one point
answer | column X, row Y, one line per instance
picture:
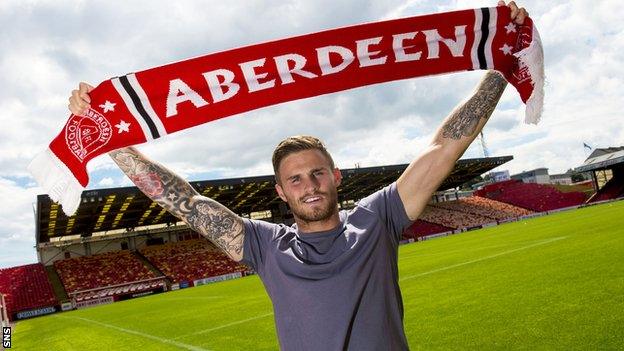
column 485, row 33
column 139, row 106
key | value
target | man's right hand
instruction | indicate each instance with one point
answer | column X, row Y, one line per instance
column 79, row 101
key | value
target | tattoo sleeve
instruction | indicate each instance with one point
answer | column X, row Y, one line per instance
column 425, row 174
column 466, row 119
column 204, row 215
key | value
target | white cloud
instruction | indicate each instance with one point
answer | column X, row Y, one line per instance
column 106, row 182
column 49, row 46
column 17, row 226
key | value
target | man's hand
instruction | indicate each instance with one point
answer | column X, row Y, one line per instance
column 79, row 101
column 517, row 14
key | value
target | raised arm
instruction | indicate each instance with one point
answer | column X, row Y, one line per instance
column 425, row 174
column 204, row 215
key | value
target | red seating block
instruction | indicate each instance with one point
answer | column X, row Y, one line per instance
column 113, row 268
column 612, row 190
column 26, row 287
column 190, row 260
column 535, row 197
column 422, row 228
column 463, row 213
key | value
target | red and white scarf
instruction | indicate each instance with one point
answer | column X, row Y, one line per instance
column 150, row 104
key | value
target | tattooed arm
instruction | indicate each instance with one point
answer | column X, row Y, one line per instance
column 425, row 174
column 206, row 216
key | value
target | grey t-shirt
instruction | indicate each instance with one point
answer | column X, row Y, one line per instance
column 337, row 289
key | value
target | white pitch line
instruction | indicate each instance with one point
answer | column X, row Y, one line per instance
column 224, row 326
column 483, row 258
column 134, row 332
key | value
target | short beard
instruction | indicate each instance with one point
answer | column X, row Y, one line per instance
column 321, row 214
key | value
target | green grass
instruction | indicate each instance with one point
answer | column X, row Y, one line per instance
column 554, row 282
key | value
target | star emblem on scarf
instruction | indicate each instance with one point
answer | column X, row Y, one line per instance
column 172, row 196
column 506, row 49
column 108, row 106
column 122, row 126
column 510, row 27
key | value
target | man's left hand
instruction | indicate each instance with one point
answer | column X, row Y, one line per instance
column 518, row 14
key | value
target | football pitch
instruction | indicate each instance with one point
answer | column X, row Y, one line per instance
column 553, row 282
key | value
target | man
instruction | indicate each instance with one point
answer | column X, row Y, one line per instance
column 332, row 276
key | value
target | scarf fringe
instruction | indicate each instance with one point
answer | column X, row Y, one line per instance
column 533, row 58
column 57, row 181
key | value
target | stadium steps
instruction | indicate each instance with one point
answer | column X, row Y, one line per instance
column 150, row 266
column 57, row 286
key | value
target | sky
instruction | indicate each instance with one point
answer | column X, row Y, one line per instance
column 48, row 46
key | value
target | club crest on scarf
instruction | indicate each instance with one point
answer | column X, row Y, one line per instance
column 86, row 134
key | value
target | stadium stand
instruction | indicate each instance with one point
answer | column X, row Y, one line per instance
column 421, row 228
column 121, row 212
column 534, row 197
column 451, row 218
column 189, row 260
column 466, row 212
column 484, row 207
column 103, row 270
column 25, row 288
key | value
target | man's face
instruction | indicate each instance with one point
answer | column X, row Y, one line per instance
column 308, row 184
